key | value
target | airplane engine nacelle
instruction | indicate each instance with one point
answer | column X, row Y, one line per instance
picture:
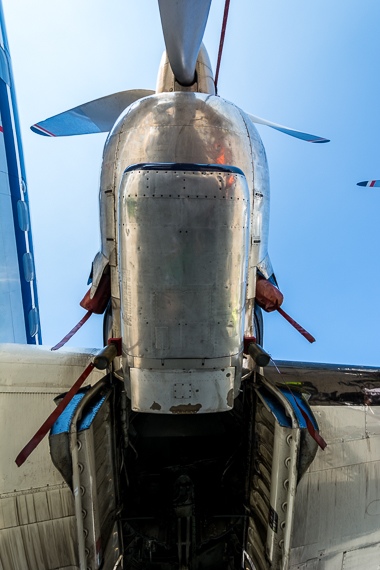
column 188, row 129
column 183, row 250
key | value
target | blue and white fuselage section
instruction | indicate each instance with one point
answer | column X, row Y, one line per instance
column 19, row 316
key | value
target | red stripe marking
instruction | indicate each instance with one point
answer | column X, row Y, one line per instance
column 44, row 130
column 309, row 425
column 297, row 326
column 221, row 43
column 73, row 331
column 1, row 129
column 372, row 183
column 311, row 429
column 47, row 425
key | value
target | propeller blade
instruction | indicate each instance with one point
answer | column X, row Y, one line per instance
column 98, row 116
column 370, row 183
column 183, row 24
column 292, row 132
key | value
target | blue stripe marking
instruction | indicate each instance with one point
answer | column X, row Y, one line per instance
column 296, row 401
column 275, row 407
column 10, row 139
column 8, row 106
column 4, row 67
column 62, row 425
column 294, row 397
column 23, row 176
column 89, row 417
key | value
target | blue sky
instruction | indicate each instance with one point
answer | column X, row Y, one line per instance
column 312, row 66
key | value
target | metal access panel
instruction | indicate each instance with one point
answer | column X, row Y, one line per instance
column 82, row 448
column 182, row 391
column 183, row 251
column 283, row 449
column 273, row 485
column 94, row 479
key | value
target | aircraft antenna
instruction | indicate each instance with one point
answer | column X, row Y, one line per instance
column 222, row 34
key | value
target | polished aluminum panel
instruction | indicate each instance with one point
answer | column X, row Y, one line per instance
column 180, row 127
column 260, row 213
column 183, row 246
column 204, row 83
column 182, row 260
column 192, row 128
column 183, row 127
column 182, row 391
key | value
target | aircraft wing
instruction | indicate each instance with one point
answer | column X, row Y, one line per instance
column 37, row 517
column 337, row 509
column 337, row 506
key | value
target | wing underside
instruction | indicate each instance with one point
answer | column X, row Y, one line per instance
column 336, row 518
column 337, row 511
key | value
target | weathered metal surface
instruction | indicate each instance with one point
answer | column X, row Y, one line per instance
column 37, row 522
column 182, row 391
column 30, row 379
column 112, row 551
column 329, row 384
column 37, row 529
column 183, row 246
column 192, row 128
column 277, row 458
column 94, row 479
column 166, row 81
column 184, row 363
column 337, row 516
column 337, row 519
column 182, row 259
